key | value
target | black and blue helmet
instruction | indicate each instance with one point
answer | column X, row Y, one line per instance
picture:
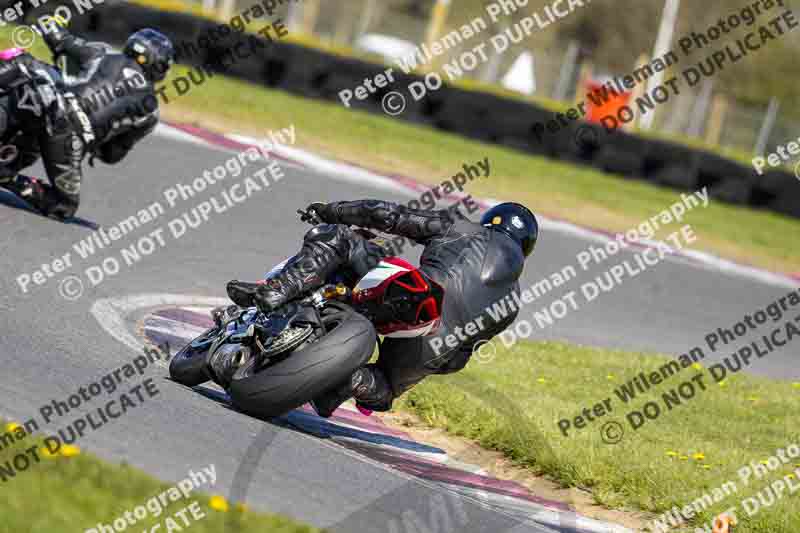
column 153, row 51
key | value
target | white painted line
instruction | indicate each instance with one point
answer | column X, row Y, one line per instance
column 165, row 130
column 341, row 171
column 112, row 313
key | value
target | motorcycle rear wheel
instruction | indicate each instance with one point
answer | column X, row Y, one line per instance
column 311, row 370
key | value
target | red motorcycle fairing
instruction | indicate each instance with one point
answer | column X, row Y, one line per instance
column 412, row 304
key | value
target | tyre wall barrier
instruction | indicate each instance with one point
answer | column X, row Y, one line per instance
column 488, row 118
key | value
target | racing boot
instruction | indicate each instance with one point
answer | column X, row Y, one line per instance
column 325, row 249
column 41, row 196
column 29, row 189
column 268, row 296
column 367, row 385
column 279, row 290
column 328, row 402
column 242, row 293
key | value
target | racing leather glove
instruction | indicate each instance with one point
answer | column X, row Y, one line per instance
column 324, row 211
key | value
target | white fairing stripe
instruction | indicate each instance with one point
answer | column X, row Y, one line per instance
column 378, row 275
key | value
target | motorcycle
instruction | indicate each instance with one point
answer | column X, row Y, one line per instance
column 312, row 344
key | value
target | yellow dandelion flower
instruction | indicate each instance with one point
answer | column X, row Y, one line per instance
column 12, row 426
column 697, row 366
column 698, row 456
column 672, row 454
column 683, row 457
column 705, row 467
column 45, row 452
column 69, row 450
column 611, row 377
column 541, row 380
column 218, row 503
column 723, row 383
column 796, row 385
column 753, row 399
column 764, row 462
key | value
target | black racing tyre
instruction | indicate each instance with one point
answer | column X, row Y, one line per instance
column 308, row 372
column 188, row 367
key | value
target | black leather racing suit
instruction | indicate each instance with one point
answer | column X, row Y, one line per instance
column 477, row 267
column 102, row 106
column 25, row 83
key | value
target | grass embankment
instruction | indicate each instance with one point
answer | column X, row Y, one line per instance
column 513, row 404
column 73, row 491
column 574, row 193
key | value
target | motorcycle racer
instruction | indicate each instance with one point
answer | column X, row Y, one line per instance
column 476, row 264
column 51, row 111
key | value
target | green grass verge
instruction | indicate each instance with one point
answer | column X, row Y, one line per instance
column 513, row 404
column 574, row 193
column 74, row 491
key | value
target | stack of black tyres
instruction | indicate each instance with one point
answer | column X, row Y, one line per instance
column 488, row 118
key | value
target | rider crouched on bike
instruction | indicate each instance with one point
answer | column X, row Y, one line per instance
column 476, row 264
column 50, row 112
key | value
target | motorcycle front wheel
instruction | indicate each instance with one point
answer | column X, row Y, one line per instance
column 188, row 367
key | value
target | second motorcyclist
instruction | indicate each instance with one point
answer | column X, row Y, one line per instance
column 51, row 114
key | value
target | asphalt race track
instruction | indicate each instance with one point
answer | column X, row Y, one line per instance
column 50, row 346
